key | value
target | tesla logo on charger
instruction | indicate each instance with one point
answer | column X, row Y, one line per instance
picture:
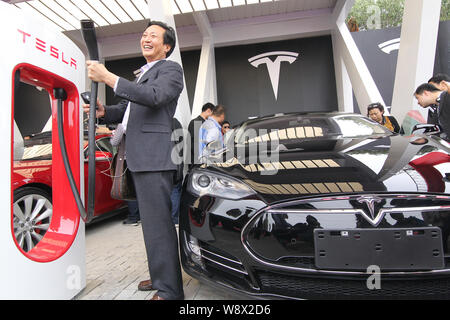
column 273, row 66
column 389, row 46
column 45, row 47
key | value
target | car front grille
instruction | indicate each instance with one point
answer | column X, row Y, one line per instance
column 226, row 266
column 298, row 262
column 216, row 258
column 325, row 288
column 287, row 229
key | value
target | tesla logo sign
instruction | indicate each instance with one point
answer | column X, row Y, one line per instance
column 370, row 201
column 45, row 47
column 389, row 46
column 273, row 65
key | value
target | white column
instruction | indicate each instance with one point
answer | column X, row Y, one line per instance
column 415, row 62
column 205, row 88
column 161, row 10
column 343, row 84
column 349, row 64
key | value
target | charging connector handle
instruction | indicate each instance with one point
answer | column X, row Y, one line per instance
column 88, row 33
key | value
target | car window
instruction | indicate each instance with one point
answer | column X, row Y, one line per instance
column 101, row 144
column 104, row 144
column 352, row 126
column 37, row 147
column 289, row 129
column 32, row 123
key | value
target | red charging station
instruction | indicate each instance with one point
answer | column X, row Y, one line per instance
column 36, row 55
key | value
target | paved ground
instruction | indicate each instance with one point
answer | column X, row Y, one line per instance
column 116, row 262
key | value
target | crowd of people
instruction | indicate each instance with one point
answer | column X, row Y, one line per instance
column 435, row 95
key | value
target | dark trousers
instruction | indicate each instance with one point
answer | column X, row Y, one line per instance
column 153, row 191
column 133, row 211
column 175, row 198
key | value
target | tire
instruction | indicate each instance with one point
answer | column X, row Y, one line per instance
column 33, row 212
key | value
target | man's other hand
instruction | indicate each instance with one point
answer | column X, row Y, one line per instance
column 100, row 112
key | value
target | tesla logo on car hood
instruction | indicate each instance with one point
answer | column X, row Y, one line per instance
column 370, row 202
column 273, row 66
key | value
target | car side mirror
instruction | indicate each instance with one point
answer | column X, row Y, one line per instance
column 425, row 128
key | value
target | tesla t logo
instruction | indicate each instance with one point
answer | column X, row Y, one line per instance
column 389, row 46
column 45, row 47
column 370, row 201
column 273, row 66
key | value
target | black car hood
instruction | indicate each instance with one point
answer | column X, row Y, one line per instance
column 391, row 164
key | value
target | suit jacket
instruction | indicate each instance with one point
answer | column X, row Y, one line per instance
column 153, row 102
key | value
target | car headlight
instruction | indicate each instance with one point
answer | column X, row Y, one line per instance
column 208, row 183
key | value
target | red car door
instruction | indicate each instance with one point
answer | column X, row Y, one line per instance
column 103, row 181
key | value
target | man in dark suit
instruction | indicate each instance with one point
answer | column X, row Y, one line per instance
column 146, row 114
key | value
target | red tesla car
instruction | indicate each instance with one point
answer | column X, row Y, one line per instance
column 32, row 185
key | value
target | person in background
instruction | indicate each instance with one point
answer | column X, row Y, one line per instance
column 440, row 81
column 133, row 218
column 211, row 130
column 225, row 127
column 447, row 86
column 428, row 95
column 193, row 130
column 375, row 111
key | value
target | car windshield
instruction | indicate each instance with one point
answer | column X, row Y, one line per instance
column 38, row 147
column 294, row 128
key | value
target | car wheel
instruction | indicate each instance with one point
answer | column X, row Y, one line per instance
column 32, row 214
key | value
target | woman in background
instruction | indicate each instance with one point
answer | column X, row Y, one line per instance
column 375, row 111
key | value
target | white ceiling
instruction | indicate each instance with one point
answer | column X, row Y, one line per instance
column 115, row 17
column 119, row 22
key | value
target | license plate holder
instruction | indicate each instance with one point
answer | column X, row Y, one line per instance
column 389, row 249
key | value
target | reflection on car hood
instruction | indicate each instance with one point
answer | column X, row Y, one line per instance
column 388, row 164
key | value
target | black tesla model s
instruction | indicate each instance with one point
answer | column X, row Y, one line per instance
column 320, row 206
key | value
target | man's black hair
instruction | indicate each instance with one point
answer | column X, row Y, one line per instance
column 426, row 87
column 377, row 105
column 207, row 106
column 169, row 35
column 438, row 78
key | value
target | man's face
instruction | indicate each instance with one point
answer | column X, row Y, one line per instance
column 220, row 119
column 152, row 44
column 425, row 99
column 376, row 115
